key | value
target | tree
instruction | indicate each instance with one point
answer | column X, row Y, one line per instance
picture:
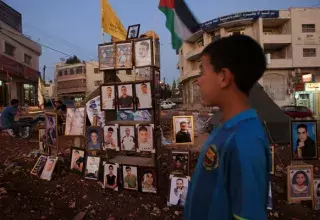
column 174, row 88
column 73, row 60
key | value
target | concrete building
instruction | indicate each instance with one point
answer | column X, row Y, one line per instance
column 75, row 81
column 290, row 38
column 49, row 90
column 19, row 60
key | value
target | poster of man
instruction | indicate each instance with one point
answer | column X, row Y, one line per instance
column 180, row 162
column 143, row 93
column 145, row 138
column 75, row 121
column 108, row 94
column 300, row 179
column 183, row 129
column 304, row 140
column 106, row 57
column 127, row 137
column 77, row 160
column 130, row 180
column 125, row 96
column 148, row 180
column 178, row 191
column 124, row 56
column 111, row 176
column 51, row 129
column 110, row 133
column 92, row 168
column 94, row 135
column 133, row 31
column 316, row 187
column 143, row 56
column 49, row 168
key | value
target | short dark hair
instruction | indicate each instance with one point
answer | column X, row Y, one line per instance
column 148, row 172
column 144, row 84
column 143, row 128
column 302, row 126
column 110, row 166
column 94, row 131
column 76, row 151
column 110, row 129
column 146, row 44
column 128, row 168
column 180, row 180
column 242, row 55
column 183, row 122
column 14, row 101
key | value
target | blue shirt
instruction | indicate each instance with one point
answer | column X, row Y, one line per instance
column 232, row 174
column 7, row 116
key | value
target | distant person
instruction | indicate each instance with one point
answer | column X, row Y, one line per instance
column 183, row 136
column 306, row 146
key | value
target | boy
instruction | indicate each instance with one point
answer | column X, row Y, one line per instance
column 231, row 176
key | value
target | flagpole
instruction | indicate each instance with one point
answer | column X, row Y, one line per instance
column 102, row 32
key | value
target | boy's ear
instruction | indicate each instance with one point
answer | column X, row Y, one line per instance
column 226, row 77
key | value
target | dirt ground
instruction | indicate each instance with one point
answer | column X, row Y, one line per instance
column 69, row 196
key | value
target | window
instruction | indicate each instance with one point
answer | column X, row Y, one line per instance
column 79, row 70
column 66, row 72
column 60, row 73
column 9, row 49
column 308, row 28
column 236, row 32
column 29, row 94
column 27, row 59
column 309, row 52
column 96, row 70
column 98, row 82
column 71, row 71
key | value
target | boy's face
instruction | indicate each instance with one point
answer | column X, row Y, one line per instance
column 143, row 136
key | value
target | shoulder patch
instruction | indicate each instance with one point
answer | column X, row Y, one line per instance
column 211, row 158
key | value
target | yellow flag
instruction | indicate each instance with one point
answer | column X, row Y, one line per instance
column 110, row 22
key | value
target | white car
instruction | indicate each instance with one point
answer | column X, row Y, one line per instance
column 167, row 105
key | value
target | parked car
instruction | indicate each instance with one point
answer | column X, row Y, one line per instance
column 167, row 105
column 298, row 112
column 172, row 103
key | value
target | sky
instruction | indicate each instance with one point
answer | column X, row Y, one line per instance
column 73, row 26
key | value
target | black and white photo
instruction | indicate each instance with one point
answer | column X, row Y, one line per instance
column 143, row 55
column 133, row 31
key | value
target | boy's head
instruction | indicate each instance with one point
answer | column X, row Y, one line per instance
column 143, row 134
column 230, row 65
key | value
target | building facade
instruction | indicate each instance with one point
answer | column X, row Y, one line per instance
column 291, row 41
column 19, row 60
column 76, row 81
column 49, row 90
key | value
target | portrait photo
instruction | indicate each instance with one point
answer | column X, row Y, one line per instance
column 178, row 190
column 42, row 139
column 143, row 52
column 272, row 159
column 304, row 140
column 124, row 56
column 77, row 160
column 110, row 133
column 127, row 138
column 148, row 180
column 108, row 94
column 75, row 121
column 92, row 168
column 300, row 180
column 51, row 129
column 179, row 162
column 316, row 197
column 270, row 202
column 144, row 73
column 94, row 138
column 316, row 171
column 145, row 137
column 130, row 177
column 110, row 176
column 106, row 56
column 49, row 168
column 38, row 167
column 125, row 97
column 183, row 129
column 133, row 31
column 144, row 95
column 157, row 53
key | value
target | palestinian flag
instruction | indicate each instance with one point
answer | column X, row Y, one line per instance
column 180, row 21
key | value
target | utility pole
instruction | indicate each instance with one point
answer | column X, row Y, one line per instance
column 44, row 74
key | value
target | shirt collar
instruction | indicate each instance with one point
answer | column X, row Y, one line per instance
column 242, row 116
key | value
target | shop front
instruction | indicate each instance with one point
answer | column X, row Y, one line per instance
column 309, row 96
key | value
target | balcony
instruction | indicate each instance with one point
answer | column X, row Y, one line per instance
column 195, row 36
column 190, row 74
column 194, row 54
column 71, row 77
column 271, row 38
column 72, row 90
column 280, row 63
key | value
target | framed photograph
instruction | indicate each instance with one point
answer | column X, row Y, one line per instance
column 144, row 95
column 179, row 162
column 178, row 190
column 94, row 138
column 143, row 52
column 51, row 127
column 124, row 55
column 49, row 168
column 42, row 139
column 106, row 56
column 130, row 177
column 75, row 121
column 92, row 168
column 125, row 96
column 148, row 179
column 270, row 199
column 110, row 133
column 145, row 137
column 129, row 115
column 133, row 31
column 77, row 160
column 316, row 171
column 110, row 176
column 300, row 182
column 183, row 129
column 316, row 199
column 127, row 138
column 38, row 167
column 144, row 73
column 304, row 140
column 156, row 51
column 272, row 159
column 108, row 94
